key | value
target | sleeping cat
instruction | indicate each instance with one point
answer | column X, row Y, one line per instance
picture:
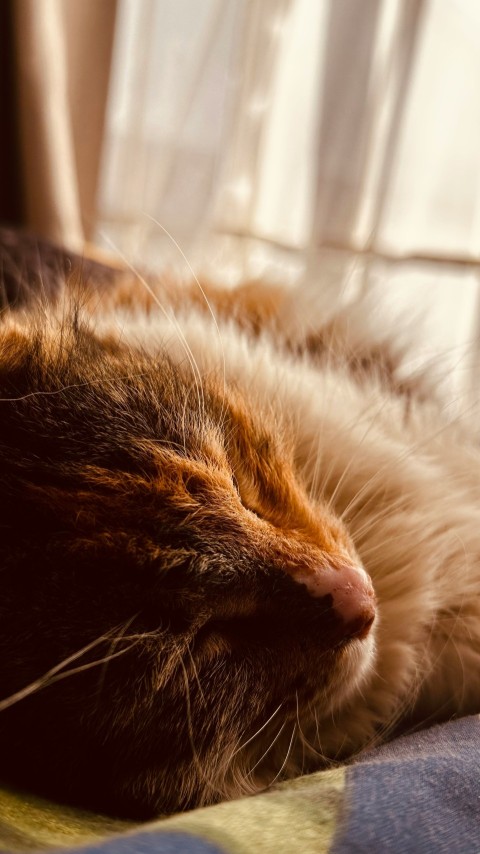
column 235, row 546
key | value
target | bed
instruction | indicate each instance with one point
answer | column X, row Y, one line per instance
column 419, row 793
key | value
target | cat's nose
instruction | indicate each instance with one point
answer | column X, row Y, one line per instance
column 353, row 596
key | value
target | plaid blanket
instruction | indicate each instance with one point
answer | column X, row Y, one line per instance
column 420, row 793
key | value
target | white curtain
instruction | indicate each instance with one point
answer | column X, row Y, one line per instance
column 335, row 140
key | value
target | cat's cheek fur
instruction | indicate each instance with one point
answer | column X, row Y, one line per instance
column 197, row 495
column 359, row 445
column 211, row 604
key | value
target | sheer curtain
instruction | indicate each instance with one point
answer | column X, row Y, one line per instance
column 329, row 140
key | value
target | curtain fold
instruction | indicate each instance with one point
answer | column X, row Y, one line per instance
column 63, row 51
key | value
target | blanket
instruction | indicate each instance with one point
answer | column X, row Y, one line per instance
column 420, row 793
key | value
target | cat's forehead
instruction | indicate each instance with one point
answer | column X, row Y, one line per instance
column 93, row 393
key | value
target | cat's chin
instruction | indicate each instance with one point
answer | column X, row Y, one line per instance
column 293, row 740
column 353, row 669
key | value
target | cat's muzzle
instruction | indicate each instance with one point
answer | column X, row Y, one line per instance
column 351, row 591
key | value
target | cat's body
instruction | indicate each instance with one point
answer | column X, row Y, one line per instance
column 190, row 485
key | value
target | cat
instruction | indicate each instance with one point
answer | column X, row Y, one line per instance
column 238, row 541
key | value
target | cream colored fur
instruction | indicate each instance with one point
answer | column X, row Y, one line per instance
column 404, row 478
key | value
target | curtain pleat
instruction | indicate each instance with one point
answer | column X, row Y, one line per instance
column 63, row 52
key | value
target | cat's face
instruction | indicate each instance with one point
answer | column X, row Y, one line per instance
column 156, row 541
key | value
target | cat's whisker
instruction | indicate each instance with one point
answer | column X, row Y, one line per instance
column 128, row 471
column 287, row 756
column 384, row 513
column 306, row 743
column 265, row 753
column 188, row 710
column 438, row 365
column 88, row 666
column 114, row 643
column 379, row 473
column 57, row 673
column 353, row 459
column 202, row 291
column 257, row 732
column 101, row 381
column 317, row 726
column 195, row 673
column 211, row 783
column 422, row 674
column 369, row 415
column 169, row 316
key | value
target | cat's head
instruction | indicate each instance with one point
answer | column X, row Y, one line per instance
column 172, row 605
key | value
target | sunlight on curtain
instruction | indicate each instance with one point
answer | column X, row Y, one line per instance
column 328, row 140
column 63, row 52
column 169, row 110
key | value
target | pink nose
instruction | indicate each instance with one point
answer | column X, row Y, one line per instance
column 351, row 591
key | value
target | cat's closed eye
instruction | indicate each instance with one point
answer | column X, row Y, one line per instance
column 221, row 558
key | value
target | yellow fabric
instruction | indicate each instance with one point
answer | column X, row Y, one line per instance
column 299, row 815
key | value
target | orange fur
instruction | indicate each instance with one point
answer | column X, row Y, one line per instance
column 187, row 504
